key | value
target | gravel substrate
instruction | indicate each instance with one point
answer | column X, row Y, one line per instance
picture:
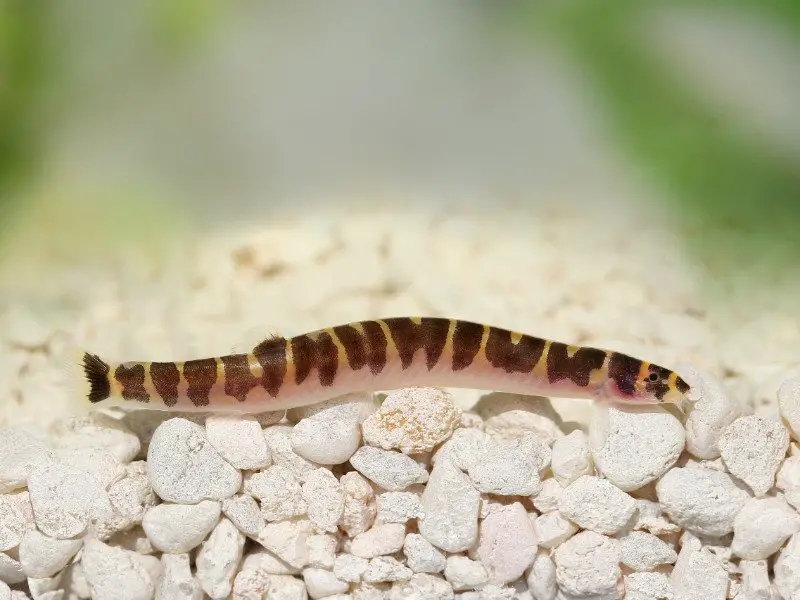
column 346, row 501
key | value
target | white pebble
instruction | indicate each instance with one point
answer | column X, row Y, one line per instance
column 755, row 580
column 762, row 526
column 359, row 504
column 789, row 404
column 349, row 567
column 541, row 578
column 412, row 420
column 322, row 550
column 547, row 498
column 379, row 541
column 177, row 581
column 184, row 467
column 239, row 440
column 398, row 507
column 753, row 448
column 788, row 480
column 244, row 512
column 179, row 528
column 633, row 446
column 65, row 500
column 464, row 574
column 422, row 556
column 43, row 556
column 451, row 504
column 587, row 566
column 463, row 448
column 594, row 503
column 553, row 529
column 391, row 470
column 279, row 491
column 325, row 499
column 13, row 521
column 648, row 586
column 5, row 591
column 280, row 446
column 322, row 583
column 112, row 573
column 649, row 518
column 99, row 462
column 282, row 587
column 642, row 551
column 219, row 558
column 507, row 543
column 510, row 469
column 787, row 571
column 422, row 586
column 130, row 498
column 571, row 458
column 20, row 453
column 46, row 588
column 97, row 429
column 288, row 540
column 713, row 410
column 265, row 561
column 330, row 433
column 701, row 500
column 10, row 569
column 699, row 574
column 510, row 416
column 386, row 568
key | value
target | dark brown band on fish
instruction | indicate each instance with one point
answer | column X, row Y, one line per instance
column 430, row 334
column 131, row 382
column 577, row 368
column 200, row 375
column 166, row 377
column 658, row 386
column 624, row 370
column 239, row 380
column 467, row 339
column 318, row 352
column 355, row 345
column 271, row 355
column 503, row 353
column 377, row 343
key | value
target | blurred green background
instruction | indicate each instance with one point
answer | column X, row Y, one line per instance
column 131, row 121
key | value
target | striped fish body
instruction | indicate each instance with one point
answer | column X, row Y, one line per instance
column 382, row 354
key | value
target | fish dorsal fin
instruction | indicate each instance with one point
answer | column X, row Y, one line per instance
column 272, row 343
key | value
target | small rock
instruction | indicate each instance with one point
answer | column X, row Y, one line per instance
column 359, row 504
column 642, row 551
column 464, row 574
column 648, row 586
column 348, row 567
column 398, row 507
column 130, row 498
column 422, row 556
column 788, row 480
column 280, row 446
column 548, row 497
column 541, row 578
column 10, row 569
column 511, row 469
column 100, row 462
column 789, row 404
column 391, row 470
column 322, row 583
column 239, row 440
column 43, row 556
column 571, row 458
column 65, row 500
column 179, row 528
column 595, row 504
column 110, row 572
column 587, row 566
column 20, row 454
column 649, row 518
column 13, row 521
column 713, row 410
column 412, row 420
column 507, row 543
column 322, row 550
column 422, row 586
column 97, row 430
column 177, row 581
column 324, row 498
column 753, row 448
column 553, row 529
column 699, row 574
column 5, row 591
column 379, row 541
column 244, row 512
column 755, row 580
column 463, row 448
column 787, row 571
column 633, row 446
column 219, row 558
column 265, row 561
column 386, row 568
column 288, row 540
column 703, row 501
column 184, row 467
column 451, row 505
column 510, row 416
column 279, row 491
column 762, row 526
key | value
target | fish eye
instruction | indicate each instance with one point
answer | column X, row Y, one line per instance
column 653, row 377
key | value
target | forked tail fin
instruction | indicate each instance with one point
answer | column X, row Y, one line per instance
column 96, row 371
